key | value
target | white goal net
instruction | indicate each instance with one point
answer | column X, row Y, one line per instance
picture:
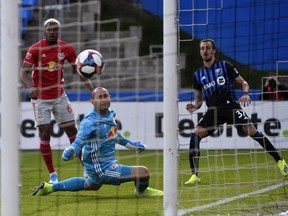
column 237, row 176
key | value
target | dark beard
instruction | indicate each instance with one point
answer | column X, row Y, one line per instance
column 207, row 60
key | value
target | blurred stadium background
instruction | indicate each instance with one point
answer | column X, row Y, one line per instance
column 250, row 34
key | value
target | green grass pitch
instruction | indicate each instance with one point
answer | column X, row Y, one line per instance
column 232, row 182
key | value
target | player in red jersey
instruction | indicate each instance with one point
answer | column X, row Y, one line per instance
column 45, row 60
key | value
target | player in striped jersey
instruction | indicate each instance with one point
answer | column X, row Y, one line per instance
column 98, row 135
column 215, row 81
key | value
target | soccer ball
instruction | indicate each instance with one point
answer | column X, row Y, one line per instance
column 89, row 63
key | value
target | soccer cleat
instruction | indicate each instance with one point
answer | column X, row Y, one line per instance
column 283, row 167
column 150, row 192
column 193, row 180
column 53, row 178
column 43, row 189
column 283, row 213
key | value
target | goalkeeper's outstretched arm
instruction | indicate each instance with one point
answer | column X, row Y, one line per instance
column 137, row 146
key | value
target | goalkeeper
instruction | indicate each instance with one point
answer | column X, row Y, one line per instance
column 97, row 136
column 215, row 80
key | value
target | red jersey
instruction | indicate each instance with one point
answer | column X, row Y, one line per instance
column 48, row 66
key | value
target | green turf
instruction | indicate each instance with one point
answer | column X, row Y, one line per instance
column 224, row 174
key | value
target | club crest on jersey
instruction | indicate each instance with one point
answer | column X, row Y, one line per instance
column 61, row 56
column 218, row 71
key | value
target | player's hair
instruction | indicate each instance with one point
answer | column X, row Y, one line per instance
column 209, row 40
column 51, row 21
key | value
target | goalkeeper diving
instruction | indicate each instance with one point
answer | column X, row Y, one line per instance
column 97, row 137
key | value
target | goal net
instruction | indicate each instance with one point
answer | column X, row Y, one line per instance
column 135, row 84
column 237, row 176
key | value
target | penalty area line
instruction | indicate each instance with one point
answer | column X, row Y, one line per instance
column 227, row 200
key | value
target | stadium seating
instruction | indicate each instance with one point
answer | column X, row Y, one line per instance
column 26, row 13
column 29, row 3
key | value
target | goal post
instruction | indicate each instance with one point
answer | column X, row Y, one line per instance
column 9, row 109
column 170, row 107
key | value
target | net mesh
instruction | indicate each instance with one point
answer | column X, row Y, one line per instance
column 237, row 176
column 128, row 76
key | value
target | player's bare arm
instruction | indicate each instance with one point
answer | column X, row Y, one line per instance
column 26, row 78
column 190, row 107
column 87, row 82
column 244, row 99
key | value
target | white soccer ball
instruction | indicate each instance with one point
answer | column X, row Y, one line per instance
column 90, row 63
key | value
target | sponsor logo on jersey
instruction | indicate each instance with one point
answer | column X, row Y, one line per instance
column 209, row 85
column 220, row 81
column 112, row 133
column 50, row 66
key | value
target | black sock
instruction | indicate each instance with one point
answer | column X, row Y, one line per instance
column 267, row 145
column 141, row 186
column 194, row 153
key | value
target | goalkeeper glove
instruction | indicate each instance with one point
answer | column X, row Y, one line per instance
column 135, row 146
column 68, row 154
column 141, row 147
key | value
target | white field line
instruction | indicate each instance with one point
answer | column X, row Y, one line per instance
column 227, row 200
